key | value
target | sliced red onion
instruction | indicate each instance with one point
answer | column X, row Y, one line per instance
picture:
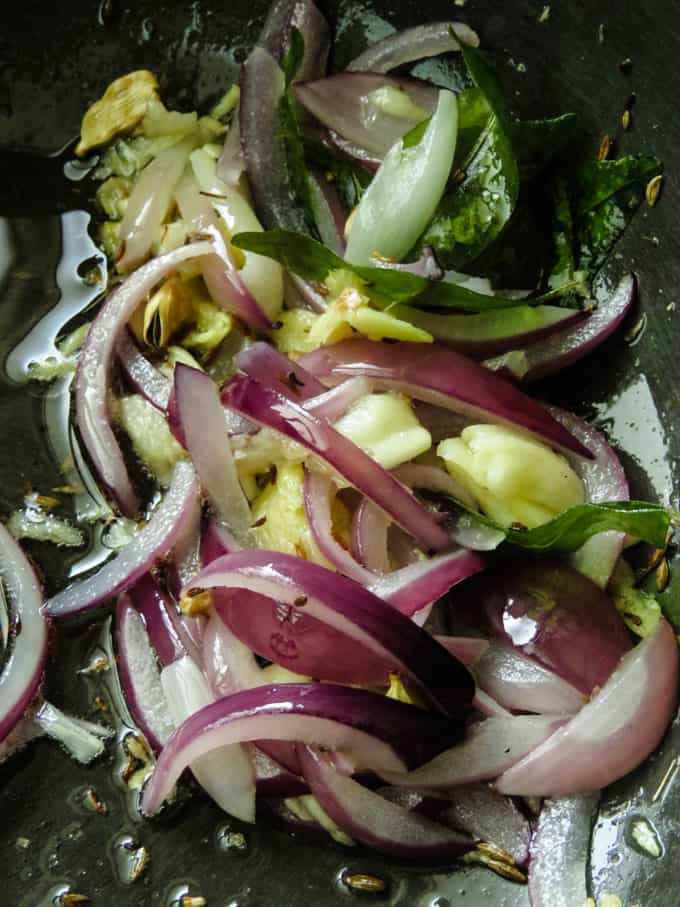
column 520, row 683
column 230, row 665
column 226, row 773
column 271, row 368
column 267, row 407
column 186, row 560
column 83, row 740
column 141, row 375
column 152, row 542
column 202, row 426
column 149, row 203
column 426, row 266
column 375, row 821
column 468, row 649
column 231, row 164
column 557, row 616
column 552, row 354
column 488, row 707
column 438, row 375
column 225, row 285
column 490, row 747
column 262, row 88
column 418, row 585
column 441, row 423
column 329, row 215
column 282, row 17
column 272, row 780
column 487, row 816
column 161, row 622
column 345, row 104
column 369, row 730
column 613, row 733
column 94, row 369
column 335, row 402
column 322, row 624
column 370, row 527
column 414, row 44
column 140, row 676
column 302, row 293
column 22, row 671
column 215, row 542
column 559, row 852
column 319, row 491
column 603, row 480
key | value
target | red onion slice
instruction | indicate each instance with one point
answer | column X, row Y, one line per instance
column 559, row 852
column 94, row 369
column 552, row 354
column 613, row 733
column 344, row 104
column 487, row 816
column 489, row 748
column 335, row 402
column 272, row 780
column 271, row 368
column 370, row 527
column 226, row 774
column 161, row 622
column 282, row 17
column 267, row 407
column 305, row 612
column 140, row 676
column 319, row 492
column 23, row 669
column 520, row 683
column 141, row 375
column 230, row 665
column 329, row 215
column 468, row 649
column 231, row 164
column 438, row 375
column 149, row 202
column 225, row 285
column 153, row 542
column 202, row 426
column 375, row 821
column 369, row 730
column 215, row 542
column 414, row 44
column 603, row 480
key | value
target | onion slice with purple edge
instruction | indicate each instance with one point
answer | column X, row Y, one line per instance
column 613, row 733
column 23, row 669
column 346, row 104
column 282, row 17
column 468, row 649
column 308, row 611
column 94, row 369
column 141, row 374
column 201, row 419
column 490, row 747
column 319, row 491
column 603, row 480
column 487, row 816
column 335, row 402
column 370, row 528
column 369, row 730
column 414, row 44
column 152, row 542
column 149, row 202
column 226, row 774
column 375, row 821
column 140, row 676
column 520, row 683
column 559, row 852
column 263, row 362
column 549, row 611
column 441, row 376
column 266, row 406
column 225, row 285
column 552, row 354
column 162, row 623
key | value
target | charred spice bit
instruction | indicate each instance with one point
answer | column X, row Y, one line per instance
column 260, row 522
column 293, row 381
column 266, row 478
column 653, row 189
column 663, row 575
column 605, row 148
column 300, row 601
column 518, row 527
column 360, row 881
column 277, row 325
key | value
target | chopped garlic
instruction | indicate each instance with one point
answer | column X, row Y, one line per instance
column 386, row 428
column 118, row 111
column 151, row 438
column 515, row 479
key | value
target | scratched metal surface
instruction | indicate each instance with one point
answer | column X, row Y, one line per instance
column 54, row 59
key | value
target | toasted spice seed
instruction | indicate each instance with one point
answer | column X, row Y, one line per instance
column 625, row 120
column 300, row 601
column 70, row 899
column 277, row 325
column 506, row 870
column 663, row 575
column 496, row 853
column 653, row 189
column 360, row 881
column 189, row 900
column 101, row 704
column 605, row 148
column 260, row 522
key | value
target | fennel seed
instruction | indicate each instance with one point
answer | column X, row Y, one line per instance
column 653, row 189
column 605, row 148
column 360, row 881
column 625, row 120
column 663, row 575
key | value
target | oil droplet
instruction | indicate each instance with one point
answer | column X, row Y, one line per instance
column 642, row 837
column 229, row 841
column 128, row 858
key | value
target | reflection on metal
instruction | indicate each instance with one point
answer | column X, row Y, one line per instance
column 666, row 781
column 6, row 249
